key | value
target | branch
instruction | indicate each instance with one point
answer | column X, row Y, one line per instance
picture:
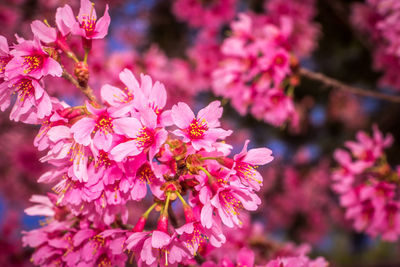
column 333, row 83
column 87, row 91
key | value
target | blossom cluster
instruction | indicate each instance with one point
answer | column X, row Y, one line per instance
column 256, row 70
column 377, row 19
column 126, row 147
column 368, row 186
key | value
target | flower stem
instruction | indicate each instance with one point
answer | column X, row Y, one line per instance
column 210, row 177
column 146, row 214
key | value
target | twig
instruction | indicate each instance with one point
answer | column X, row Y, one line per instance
column 87, row 91
column 332, row 83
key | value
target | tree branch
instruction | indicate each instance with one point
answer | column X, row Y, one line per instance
column 333, row 83
column 87, row 91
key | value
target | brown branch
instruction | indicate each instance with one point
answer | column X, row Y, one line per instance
column 87, row 91
column 333, row 83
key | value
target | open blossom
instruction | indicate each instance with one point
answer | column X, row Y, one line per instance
column 100, row 127
column 30, row 94
column 367, row 185
column 87, row 25
column 201, row 131
column 246, row 162
column 141, row 137
column 30, row 59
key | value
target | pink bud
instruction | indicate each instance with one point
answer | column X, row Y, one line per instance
column 140, row 224
column 162, row 224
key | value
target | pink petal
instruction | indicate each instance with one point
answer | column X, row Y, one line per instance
column 86, row 9
column 121, row 151
column 82, row 130
column 43, row 32
column 65, row 19
column 182, row 115
column 258, row 156
column 127, row 126
column 160, row 239
column 211, row 114
column 102, row 25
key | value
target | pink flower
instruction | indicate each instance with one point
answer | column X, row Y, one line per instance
column 88, row 26
column 201, row 131
column 100, row 127
column 30, row 59
column 223, row 196
column 245, row 163
column 144, row 177
column 156, row 247
column 32, row 99
column 141, row 137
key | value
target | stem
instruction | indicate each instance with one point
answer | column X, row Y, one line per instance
column 181, row 198
column 333, row 83
column 86, row 56
column 146, row 214
column 165, row 211
column 87, row 91
column 206, row 172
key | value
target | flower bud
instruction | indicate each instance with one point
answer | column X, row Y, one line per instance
column 81, row 72
column 140, row 224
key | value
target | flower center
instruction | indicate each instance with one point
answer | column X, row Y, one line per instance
column 89, row 23
column 104, row 124
column 197, row 238
column 280, row 60
column 103, row 160
column 144, row 138
column 197, row 129
column 98, row 242
column 24, row 87
column 32, row 63
column 156, row 109
column 230, row 203
column 246, row 172
column 145, row 174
